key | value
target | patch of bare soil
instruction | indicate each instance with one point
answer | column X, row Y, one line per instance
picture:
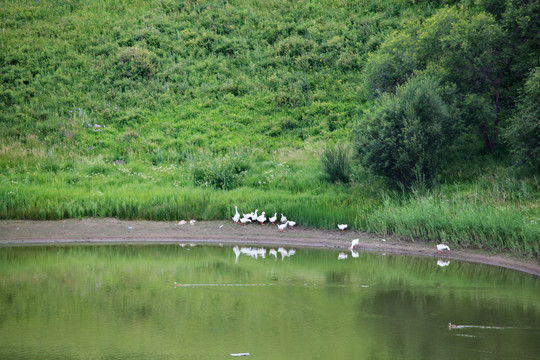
column 27, row 232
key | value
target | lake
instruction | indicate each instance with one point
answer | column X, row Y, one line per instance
column 121, row 302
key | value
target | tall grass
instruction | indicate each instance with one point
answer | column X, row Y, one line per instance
column 493, row 213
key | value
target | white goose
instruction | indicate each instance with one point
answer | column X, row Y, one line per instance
column 442, row 247
column 244, row 220
column 283, row 219
column 273, row 218
column 262, row 218
column 283, row 226
column 236, row 217
column 342, row 227
column 254, row 215
column 292, row 223
column 354, row 244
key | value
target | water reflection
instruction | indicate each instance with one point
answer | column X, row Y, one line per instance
column 442, row 263
column 383, row 307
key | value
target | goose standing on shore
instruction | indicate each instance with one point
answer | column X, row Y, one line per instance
column 283, row 219
column 442, row 247
column 244, row 220
column 283, row 226
column 236, row 217
column 342, row 227
column 273, row 218
column 262, row 218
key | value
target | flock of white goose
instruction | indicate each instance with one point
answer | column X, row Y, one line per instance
column 284, row 222
column 255, row 217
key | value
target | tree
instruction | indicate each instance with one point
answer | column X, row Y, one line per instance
column 485, row 55
column 523, row 134
column 407, row 134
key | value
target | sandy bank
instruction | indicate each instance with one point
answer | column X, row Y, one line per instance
column 27, row 232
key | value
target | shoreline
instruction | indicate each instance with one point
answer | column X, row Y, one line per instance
column 115, row 231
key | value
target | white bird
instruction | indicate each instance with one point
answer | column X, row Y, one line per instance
column 354, row 253
column 192, row 222
column 254, row 215
column 273, row 219
column 182, row 222
column 342, row 227
column 342, row 256
column 442, row 247
column 236, row 217
column 292, row 223
column 283, row 226
column 273, row 252
column 262, row 218
column 244, row 220
column 354, row 244
column 283, row 219
column 443, row 263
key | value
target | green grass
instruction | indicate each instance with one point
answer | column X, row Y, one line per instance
column 493, row 213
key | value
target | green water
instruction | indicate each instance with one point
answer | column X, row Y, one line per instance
column 120, row 302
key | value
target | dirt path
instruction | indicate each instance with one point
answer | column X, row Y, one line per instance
column 27, row 232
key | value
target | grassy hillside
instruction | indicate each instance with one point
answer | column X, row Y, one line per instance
column 147, row 109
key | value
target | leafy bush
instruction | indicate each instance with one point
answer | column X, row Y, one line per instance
column 407, row 134
column 136, row 62
column 222, row 172
column 523, row 134
column 336, row 163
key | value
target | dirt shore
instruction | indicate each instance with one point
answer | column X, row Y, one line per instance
column 27, row 232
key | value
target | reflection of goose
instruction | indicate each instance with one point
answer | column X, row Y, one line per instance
column 354, row 253
column 273, row 218
column 452, row 326
column 283, row 253
column 273, row 252
column 342, row 227
column 261, row 252
column 442, row 247
column 443, row 263
column 283, row 226
column 355, row 244
column 236, row 216
column 177, row 284
column 237, row 253
column 342, row 256
column 291, row 252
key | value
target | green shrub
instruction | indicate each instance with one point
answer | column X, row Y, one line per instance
column 523, row 134
column 221, row 172
column 136, row 62
column 336, row 163
column 407, row 134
